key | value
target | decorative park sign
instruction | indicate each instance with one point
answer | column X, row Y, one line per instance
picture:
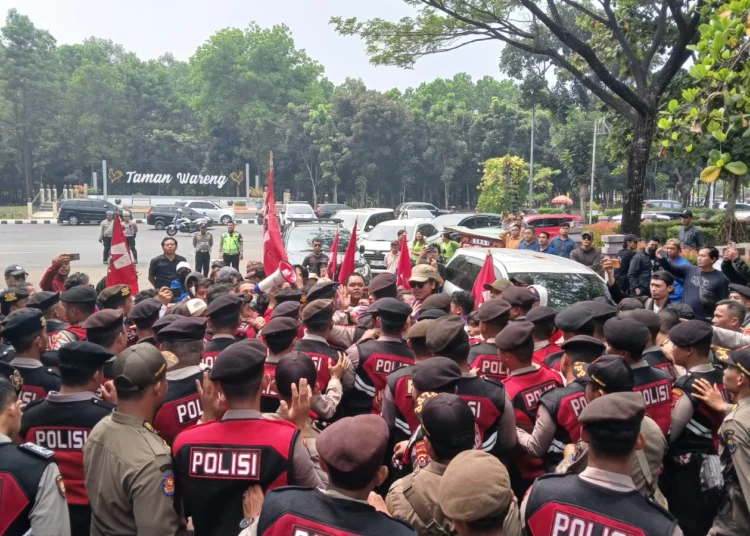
column 136, row 177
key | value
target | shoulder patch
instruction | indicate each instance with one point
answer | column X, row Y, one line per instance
column 729, row 441
column 167, row 484
column 676, row 395
column 61, row 486
column 38, row 450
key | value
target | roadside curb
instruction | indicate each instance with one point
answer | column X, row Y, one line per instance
column 50, row 222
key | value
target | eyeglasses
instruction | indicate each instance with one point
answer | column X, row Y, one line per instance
column 418, row 284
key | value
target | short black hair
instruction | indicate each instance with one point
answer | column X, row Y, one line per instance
column 735, row 308
column 457, row 351
column 166, row 238
column 419, row 347
column 278, row 342
column 544, row 330
column 317, row 326
column 105, row 338
column 189, row 351
column 653, row 239
column 583, row 353
column 464, row 300
column 242, row 390
column 305, row 271
column 75, row 280
column 565, row 224
column 712, row 252
column 663, row 275
column 75, row 377
column 528, row 228
column 205, row 283
column 23, row 343
column 669, row 319
column 392, row 328
column 474, row 318
column 613, row 439
column 317, row 241
column 352, row 480
column 545, row 233
column 498, row 323
column 226, row 320
column 145, row 295
column 216, row 291
column 355, row 274
column 8, row 394
column 525, row 352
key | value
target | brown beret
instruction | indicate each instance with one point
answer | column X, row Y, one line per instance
column 518, row 296
column 648, row 318
column 419, row 330
column 514, row 335
column 573, row 318
column 239, row 362
column 622, row 407
column 280, row 324
column 113, row 296
column 462, row 502
column 163, row 322
column 445, row 332
column 225, row 304
column 383, row 286
column 325, row 290
column 437, row 301
column 354, row 443
column 493, row 309
column 541, row 315
column 148, row 308
column 318, row 310
column 185, row 328
column 105, row 320
column 288, row 309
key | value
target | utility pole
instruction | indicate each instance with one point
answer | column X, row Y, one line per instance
column 531, row 163
column 605, row 130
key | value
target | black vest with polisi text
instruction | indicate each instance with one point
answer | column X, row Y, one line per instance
column 656, row 389
column 658, row 360
column 553, row 360
column 214, row 347
column 484, row 359
column 322, row 355
column 486, row 398
column 37, row 382
column 400, row 384
column 564, row 405
column 181, row 408
column 21, row 470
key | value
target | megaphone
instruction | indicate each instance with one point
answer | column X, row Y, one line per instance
column 285, row 273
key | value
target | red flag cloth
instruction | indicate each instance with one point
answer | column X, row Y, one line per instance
column 403, row 273
column 333, row 260
column 273, row 247
column 486, row 277
column 121, row 270
column 347, row 265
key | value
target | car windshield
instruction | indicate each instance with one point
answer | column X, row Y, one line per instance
column 301, row 238
column 448, row 219
column 388, row 233
column 299, row 209
column 419, row 214
column 564, row 290
column 347, row 219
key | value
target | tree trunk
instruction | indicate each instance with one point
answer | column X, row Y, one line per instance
column 643, row 136
column 446, row 186
column 731, row 193
column 27, row 170
column 335, row 192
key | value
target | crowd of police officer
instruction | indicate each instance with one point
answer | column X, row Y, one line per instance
column 124, row 414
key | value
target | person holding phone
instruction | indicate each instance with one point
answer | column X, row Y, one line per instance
column 54, row 278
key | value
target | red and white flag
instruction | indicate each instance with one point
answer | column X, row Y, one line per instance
column 333, row 260
column 403, row 272
column 486, row 277
column 273, row 247
column 347, row 265
column 121, row 270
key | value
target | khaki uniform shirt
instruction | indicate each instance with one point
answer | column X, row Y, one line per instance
column 733, row 516
column 128, row 476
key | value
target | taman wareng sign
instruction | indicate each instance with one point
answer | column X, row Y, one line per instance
column 136, row 177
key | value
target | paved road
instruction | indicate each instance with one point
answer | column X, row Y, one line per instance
column 33, row 246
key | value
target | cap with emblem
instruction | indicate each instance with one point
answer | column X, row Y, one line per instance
column 363, row 450
column 436, row 374
column 460, row 502
column 226, row 304
column 291, row 369
column 518, row 296
column 541, row 315
column 15, row 271
column 240, row 362
column 185, row 328
column 13, row 295
column 492, row 310
column 163, row 322
column 437, row 301
column 499, row 285
column 105, row 320
column 583, row 341
column 79, row 294
column 280, row 324
column 146, row 310
column 423, row 272
column 22, row 323
column 43, row 300
column 515, row 335
column 83, row 355
column 12, row 375
column 449, row 423
column 286, row 309
column 383, row 286
column 574, row 318
column 318, row 310
column 431, row 314
column 627, row 335
column 691, row 333
column 602, row 310
column 114, row 296
column 393, row 310
column 611, row 373
column 196, row 307
column 740, row 359
column 289, row 295
column 325, row 290
column 140, row 366
column 419, row 330
column 445, row 333
column 615, row 407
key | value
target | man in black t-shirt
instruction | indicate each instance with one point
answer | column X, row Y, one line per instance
column 163, row 269
column 313, row 261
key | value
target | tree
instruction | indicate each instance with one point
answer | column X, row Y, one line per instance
column 624, row 52
column 504, row 185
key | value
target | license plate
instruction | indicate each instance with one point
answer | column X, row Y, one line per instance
column 377, row 263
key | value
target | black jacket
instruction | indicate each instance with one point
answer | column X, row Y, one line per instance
column 621, row 276
column 737, row 271
column 642, row 266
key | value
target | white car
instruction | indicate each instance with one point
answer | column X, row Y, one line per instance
column 378, row 242
column 567, row 282
column 220, row 214
column 416, row 214
column 366, row 218
column 297, row 211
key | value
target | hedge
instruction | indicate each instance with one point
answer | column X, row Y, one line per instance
column 548, row 210
column 664, row 230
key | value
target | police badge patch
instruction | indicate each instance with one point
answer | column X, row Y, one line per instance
column 729, row 441
column 167, row 484
column 61, row 486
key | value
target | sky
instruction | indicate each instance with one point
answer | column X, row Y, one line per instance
column 152, row 27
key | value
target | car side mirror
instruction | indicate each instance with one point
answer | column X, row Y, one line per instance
column 362, row 250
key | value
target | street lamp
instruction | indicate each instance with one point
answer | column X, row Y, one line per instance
column 598, row 124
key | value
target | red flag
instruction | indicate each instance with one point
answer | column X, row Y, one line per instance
column 333, row 261
column 347, row 265
column 403, row 273
column 121, row 270
column 486, row 277
column 273, row 247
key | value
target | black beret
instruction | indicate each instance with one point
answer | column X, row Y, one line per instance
column 163, row 322
column 602, row 310
column 11, row 373
column 318, row 310
column 617, row 407
column 393, row 310
column 431, row 314
column 626, row 334
column 446, row 332
column 240, row 362
column 104, row 320
column 436, row 374
column 383, row 286
column 113, row 296
column 289, row 295
column 419, row 330
column 288, row 309
column 683, row 310
column 630, row 304
column 225, row 304
column 83, row 355
column 291, row 369
column 514, row 335
column 448, row 421
column 43, row 300
column 437, row 301
column 185, row 328
column 573, row 318
column 140, row 366
column 541, row 315
column 742, row 290
column 280, row 324
column 691, row 333
column 493, row 309
column 518, row 296
column 611, row 373
column 325, row 290
column 583, row 341
column 79, row 294
column 354, row 444
column 22, row 323
column 148, row 308
column 648, row 318
column 13, row 295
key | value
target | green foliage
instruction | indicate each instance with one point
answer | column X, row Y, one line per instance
column 665, row 230
column 549, row 210
column 504, row 185
column 613, row 212
column 240, row 203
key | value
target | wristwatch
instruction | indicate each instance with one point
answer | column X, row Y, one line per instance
column 246, row 522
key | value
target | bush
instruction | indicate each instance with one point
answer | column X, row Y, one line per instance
column 548, row 210
column 612, row 212
column 602, row 229
column 240, row 203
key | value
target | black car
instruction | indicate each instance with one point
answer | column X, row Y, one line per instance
column 75, row 211
column 162, row 215
column 326, row 210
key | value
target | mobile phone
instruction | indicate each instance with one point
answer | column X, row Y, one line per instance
column 74, row 256
column 615, row 263
column 732, row 245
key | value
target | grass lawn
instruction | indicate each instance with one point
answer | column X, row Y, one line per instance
column 13, row 213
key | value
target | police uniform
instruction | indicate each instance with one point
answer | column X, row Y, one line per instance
column 230, row 248
column 162, row 323
column 438, row 301
column 215, row 462
column 144, row 314
column 520, row 299
column 351, row 444
column 226, row 304
column 597, row 500
column 383, row 286
column 13, row 297
column 543, row 316
column 603, row 311
column 115, row 297
column 653, row 355
column 483, row 356
column 316, row 346
column 44, row 301
column 63, row 422
column 102, row 323
column 575, row 320
column 182, row 406
column 127, row 465
column 80, row 295
column 38, row 380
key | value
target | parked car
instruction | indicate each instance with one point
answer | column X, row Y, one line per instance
column 468, row 220
column 416, row 214
column 326, row 210
column 299, row 235
column 662, row 203
column 297, row 211
column 424, row 206
column 378, row 242
column 207, row 208
column 567, row 282
column 722, row 205
column 650, row 216
column 551, row 223
column 162, row 215
column 76, row 211
column 366, row 218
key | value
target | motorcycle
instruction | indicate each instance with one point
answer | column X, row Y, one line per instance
column 185, row 225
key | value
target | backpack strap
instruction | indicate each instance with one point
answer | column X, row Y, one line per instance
column 431, row 524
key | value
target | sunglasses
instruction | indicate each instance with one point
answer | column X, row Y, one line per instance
column 418, row 284
column 586, row 238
